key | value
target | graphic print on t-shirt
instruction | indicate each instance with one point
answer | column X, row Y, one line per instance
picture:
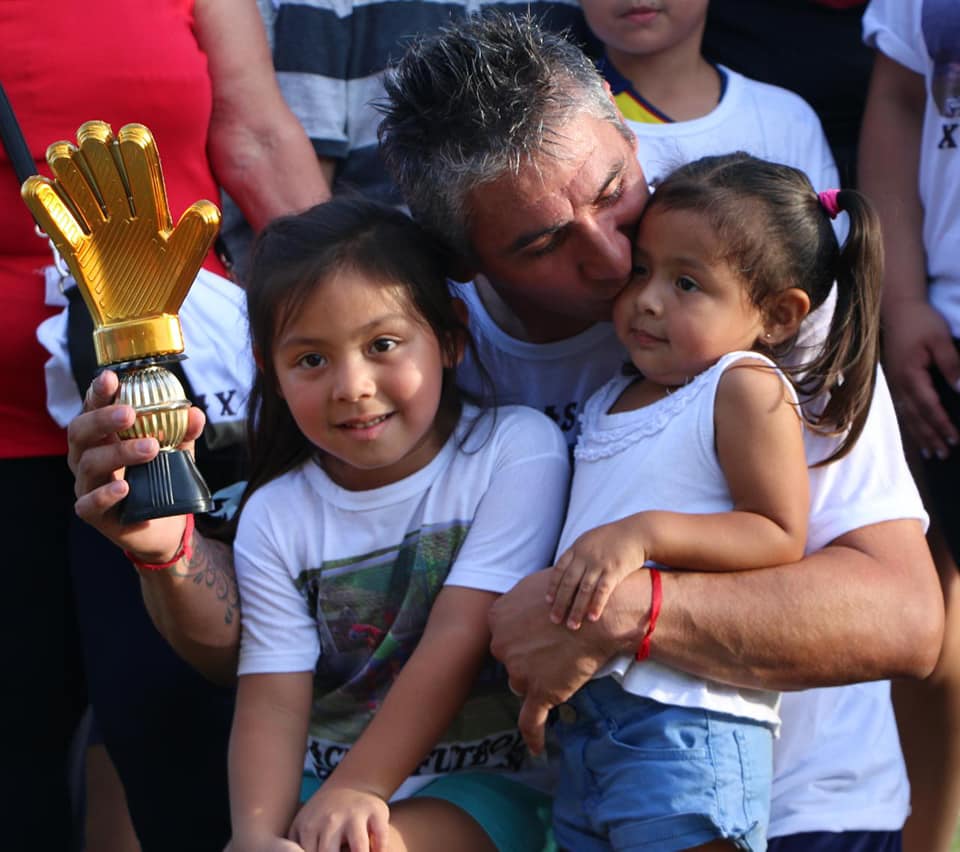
column 370, row 612
column 941, row 32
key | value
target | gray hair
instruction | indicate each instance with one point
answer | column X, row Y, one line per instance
column 477, row 100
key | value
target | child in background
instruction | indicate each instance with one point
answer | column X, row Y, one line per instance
column 682, row 107
column 382, row 518
column 699, row 462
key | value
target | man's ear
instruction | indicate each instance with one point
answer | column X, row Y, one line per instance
column 784, row 315
column 616, row 106
column 454, row 356
column 613, row 100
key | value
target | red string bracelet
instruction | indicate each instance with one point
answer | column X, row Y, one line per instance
column 185, row 551
column 656, row 599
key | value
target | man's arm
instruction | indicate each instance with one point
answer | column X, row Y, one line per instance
column 868, row 606
column 194, row 605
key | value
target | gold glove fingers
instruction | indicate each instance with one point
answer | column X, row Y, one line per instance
column 106, row 211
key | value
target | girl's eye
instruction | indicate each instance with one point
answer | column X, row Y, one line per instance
column 383, row 344
column 639, row 270
column 687, row 285
column 311, row 360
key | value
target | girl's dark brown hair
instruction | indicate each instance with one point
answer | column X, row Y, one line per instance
column 775, row 234
column 289, row 258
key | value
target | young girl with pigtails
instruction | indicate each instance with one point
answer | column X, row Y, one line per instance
column 698, row 459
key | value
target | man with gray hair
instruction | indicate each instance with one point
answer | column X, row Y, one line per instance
column 506, row 147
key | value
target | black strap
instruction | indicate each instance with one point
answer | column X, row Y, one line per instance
column 13, row 141
column 83, row 357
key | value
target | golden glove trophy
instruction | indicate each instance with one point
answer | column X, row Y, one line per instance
column 106, row 213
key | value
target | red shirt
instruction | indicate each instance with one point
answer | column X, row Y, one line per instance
column 63, row 63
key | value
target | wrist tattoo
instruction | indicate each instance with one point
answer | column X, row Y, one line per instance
column 211, row 566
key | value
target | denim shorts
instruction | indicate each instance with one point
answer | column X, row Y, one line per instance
column 637, row 774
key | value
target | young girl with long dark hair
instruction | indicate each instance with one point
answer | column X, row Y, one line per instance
column 382, row 517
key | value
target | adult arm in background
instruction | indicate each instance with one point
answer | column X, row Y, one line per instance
column 916, row 336
column 258, row 150
column 194, row 604
column 866, row 607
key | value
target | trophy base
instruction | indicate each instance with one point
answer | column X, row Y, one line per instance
column 169, row 484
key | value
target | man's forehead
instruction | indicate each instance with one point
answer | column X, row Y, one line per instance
column 577, row 167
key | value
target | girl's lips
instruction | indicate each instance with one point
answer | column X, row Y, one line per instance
column 644, row 338
column 365, row 429
column 360, row 423
column 641, row 15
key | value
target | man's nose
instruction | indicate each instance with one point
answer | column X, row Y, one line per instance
column 607, row 252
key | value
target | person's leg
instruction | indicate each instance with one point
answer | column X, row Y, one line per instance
column 108, row 825
column 164, row 726
column 928, row 711
column 928, row 717
column 512, row 816
column 44, row 696
column 435, row 825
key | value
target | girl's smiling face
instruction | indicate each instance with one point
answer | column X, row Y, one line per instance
column 362, row 374
column 685, row 306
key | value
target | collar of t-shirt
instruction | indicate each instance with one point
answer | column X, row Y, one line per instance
column 632, row 104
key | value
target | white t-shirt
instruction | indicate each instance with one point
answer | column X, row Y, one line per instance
column 763, row 120
column 538, row 374
column 838, row 764
column 341, row 582
column 662, row 456
column 924, row 36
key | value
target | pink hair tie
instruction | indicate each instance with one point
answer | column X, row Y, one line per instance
column 828, row 200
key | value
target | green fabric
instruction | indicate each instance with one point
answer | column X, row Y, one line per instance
column 516, row 817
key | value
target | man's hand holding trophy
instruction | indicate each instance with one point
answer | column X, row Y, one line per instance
column 106, row 213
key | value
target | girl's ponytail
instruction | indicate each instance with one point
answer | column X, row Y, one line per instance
column 847, row 364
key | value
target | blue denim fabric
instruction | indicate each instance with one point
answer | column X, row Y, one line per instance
column 638, row 774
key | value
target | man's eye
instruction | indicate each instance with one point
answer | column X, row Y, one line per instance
column 311, row 359
column 548, row 248
column 687, row 285
column 383, row 344
column 611, row 197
